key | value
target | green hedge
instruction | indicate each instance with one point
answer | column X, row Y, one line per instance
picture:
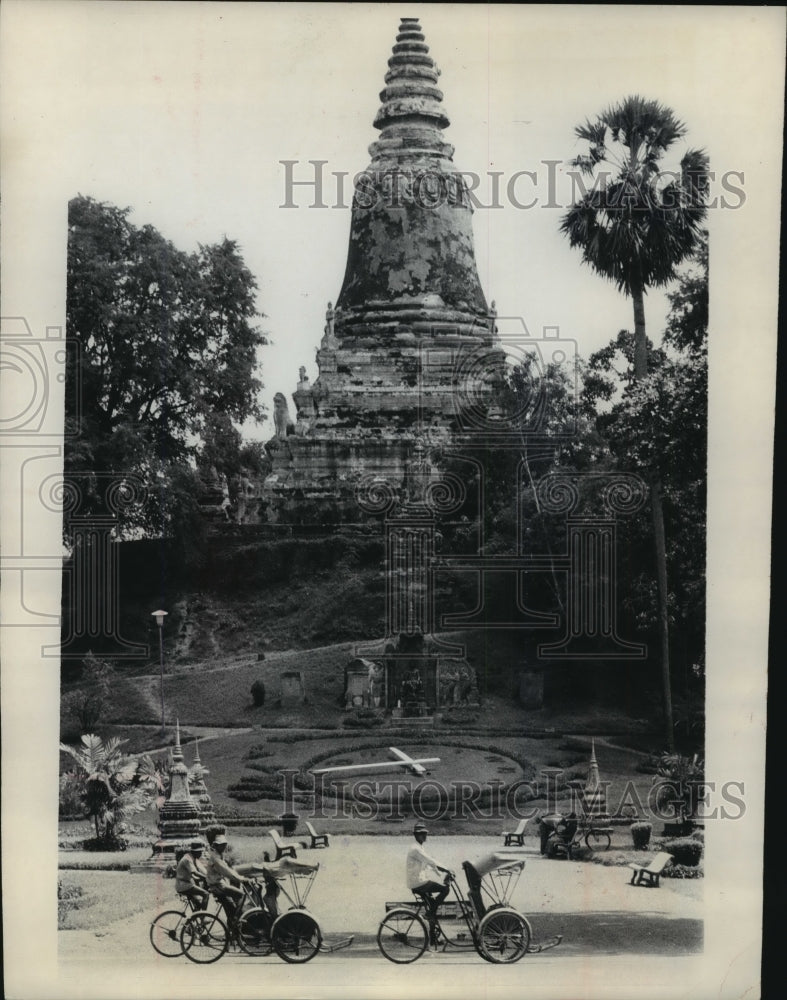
column 684, row 851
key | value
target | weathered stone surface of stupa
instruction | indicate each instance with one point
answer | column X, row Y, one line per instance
column 199, row 792
column 410, row 318
column 179, row 817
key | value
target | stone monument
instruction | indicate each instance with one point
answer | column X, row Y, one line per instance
column 199, row 792
column 179, row 819
column 409, row 312
column 292, row 692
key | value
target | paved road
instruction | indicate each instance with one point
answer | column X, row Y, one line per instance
column 605, row 922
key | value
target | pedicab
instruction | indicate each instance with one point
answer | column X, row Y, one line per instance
column 295, row 935
column 484, row 920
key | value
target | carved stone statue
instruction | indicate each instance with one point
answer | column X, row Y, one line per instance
column 412, row 687
column 282, row 420
column 418, row 474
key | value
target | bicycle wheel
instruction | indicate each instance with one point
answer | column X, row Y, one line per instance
column 402, row 936
column 254, row 932
column 204, row 937
column 296, row 936
column 595, row 840
column 503, row 936
column 165, row 933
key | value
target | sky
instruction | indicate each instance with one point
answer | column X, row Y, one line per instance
column 184, row 112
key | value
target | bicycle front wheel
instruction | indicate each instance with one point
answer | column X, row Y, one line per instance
column 296, row 936
column 402, row 936
column 204, row 937
column 254, row 932
column 597, row 840
column 165, row 933
column 503, row 936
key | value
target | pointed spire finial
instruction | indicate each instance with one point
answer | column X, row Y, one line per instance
column 177, row 751
column 411, row 96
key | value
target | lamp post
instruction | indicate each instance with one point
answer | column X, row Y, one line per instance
column 160, row 616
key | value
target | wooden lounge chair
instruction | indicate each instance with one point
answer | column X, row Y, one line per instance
column 317, row 839
column 649, row 874
column 282, row 850
column 517, row 837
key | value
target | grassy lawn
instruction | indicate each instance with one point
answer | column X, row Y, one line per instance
column 106, row 897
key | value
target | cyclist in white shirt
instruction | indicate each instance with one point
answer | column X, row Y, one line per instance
column 425, row 875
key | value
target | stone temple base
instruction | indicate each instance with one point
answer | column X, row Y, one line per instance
column 162, row 857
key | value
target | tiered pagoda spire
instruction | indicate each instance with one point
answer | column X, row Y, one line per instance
column 411, row 260
column 199, row 791
column 179, row 817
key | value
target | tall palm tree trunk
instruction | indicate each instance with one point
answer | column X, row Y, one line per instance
column 659, row 538
column 657, row 514
column 640, row 339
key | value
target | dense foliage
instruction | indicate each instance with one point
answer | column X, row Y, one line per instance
column 167, row 362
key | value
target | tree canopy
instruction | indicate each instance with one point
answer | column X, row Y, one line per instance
column 168, row 348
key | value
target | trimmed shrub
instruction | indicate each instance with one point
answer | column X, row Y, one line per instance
column 67, row 900
column 109, row 842
column 460, row 717
column 640, row 834
column 364, row 718
column 258, row 693
column 683, row 871
column 684, row 851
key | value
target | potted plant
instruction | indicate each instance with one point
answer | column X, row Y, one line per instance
column 289, row 823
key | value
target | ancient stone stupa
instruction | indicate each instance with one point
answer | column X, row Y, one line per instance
column 199, row 791
column 594, row 792
column 179, row 817
column 409, row 319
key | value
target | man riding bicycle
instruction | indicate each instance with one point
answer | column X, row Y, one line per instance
column 190, row 876
column 426, row 876
column 220, row 879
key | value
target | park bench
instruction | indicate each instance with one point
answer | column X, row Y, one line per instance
column 515, row 838
column 649, row 874
column 317, row 839
column 283, row 850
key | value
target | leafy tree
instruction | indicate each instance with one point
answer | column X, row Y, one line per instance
column 634, row 226
column 113, row 786
column 168, row 352
column 87, row 704
column 658, row 425
column 681, row 789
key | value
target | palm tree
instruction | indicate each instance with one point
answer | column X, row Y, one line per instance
column 634, row 226
column 115, row 785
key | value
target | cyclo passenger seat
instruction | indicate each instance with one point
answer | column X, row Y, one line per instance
column 474, row 888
